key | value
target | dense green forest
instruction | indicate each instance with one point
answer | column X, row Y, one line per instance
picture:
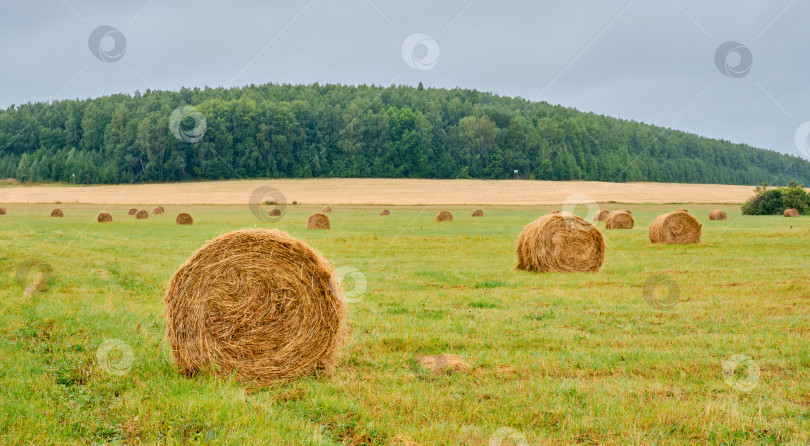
column 363, row 131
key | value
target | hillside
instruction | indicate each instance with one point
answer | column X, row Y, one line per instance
column 294, row 131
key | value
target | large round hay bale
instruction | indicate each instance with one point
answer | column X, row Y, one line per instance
column 184, row 219
column 133, row 211
column 318, row 221
column 717, row 214
column 142, row 215
column 385, row 212
column 2, row 211
column 326, row 209
column 601, row 215
column 158, row 210
column 619, row 220
column 258, row 305
column 560, row 242
column 478, row 213
column 791, row 213
column 275, row 212
column 444, row 216
column 104, row 217
column 675, row 228
column 57, row 213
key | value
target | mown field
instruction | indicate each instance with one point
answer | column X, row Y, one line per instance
column 556, row 358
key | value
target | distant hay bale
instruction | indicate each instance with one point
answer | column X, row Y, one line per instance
column 275, row 212
column 675, row 228
column 133, row 211
column 717, row 214
column 619, row 220
column 560, row 242
column 602, row 215
column 555, row 212
column 681, row 210
column 104, row 217
column 318, row 221
column 326, row 209
column 2, row 211
column 478, row 213
column 258, row 305
column 158, row 210
column 385, row 212
column 791, row 213
column 142, row 215
column 627, row 211
column 57, row 213
column 444, row 216
column 184, row 219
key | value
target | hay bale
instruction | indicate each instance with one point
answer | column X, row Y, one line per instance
column 628, row 211
column 791, row 213
column 602, row 215
column 104, row 217
column 57, row 213
column 318, row 221
column 681, row 210
column 256, row 304
column 555, row 212
column 326, row 209
column 478, row 213
column 275, row 212
column 443, row 363
column 133, row 211
column 142, row 215
column 675, row 228
column 385, row 212
column 444, row 216
column 158, row 210
column 2, row 211
column 717, row 214
column 619, row 220
column 184, row 219
column 560, row 242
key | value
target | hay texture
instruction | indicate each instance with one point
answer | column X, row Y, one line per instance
column 619, row 220
column 258, row 305
column 385, row 212
column 443, row 363
column 628, row 211
column 104, row 217
column 133, row 211
column 142, row 215
column 675, row 228
column 717, row 214
column 2, row 211
column 791, row 213
column 275, row 212
column 57, row 213
column 318, row 221
column 326, row 209
column 158, row 210
column 444, row 216
column 478, row 213
column 602, row 215
column 184, row 219
column 560, row 242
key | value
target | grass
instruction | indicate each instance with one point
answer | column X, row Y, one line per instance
column 557, row 358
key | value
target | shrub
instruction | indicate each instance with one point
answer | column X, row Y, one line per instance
column 774, row 201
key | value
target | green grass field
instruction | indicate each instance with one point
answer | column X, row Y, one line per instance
column 558, row 358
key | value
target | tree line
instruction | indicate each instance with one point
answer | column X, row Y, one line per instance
column 303, row 131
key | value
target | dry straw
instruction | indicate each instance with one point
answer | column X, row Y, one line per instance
column 258, row 305
column 385, row 212
column 791, row 213
column 602, row 215
column 158, row 210
column 717, row 214
column 2, row 211
column 275, row 212
column 619, row 220
column 104, row 217
column 675, row 228
column 444, row 216
column 478, row 213
column 560, row 242
column 133, row 211
column 318, row 221
column 142, row 215
column 184, row 219
column 326, row 209
column 57, row 213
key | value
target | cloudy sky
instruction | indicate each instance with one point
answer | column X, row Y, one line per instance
column 650, row 61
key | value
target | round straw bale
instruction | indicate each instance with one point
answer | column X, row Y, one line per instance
column 628, row 211
column 478, row 213
column 158, row 210
column 318, row 221
column 258, row 305
column 791, row 213
column 57, row 213
column 681, row 210
column 601, row 215
column 619, row 220
column 717, row 214
column 385, row 212
column 133, row 211
column 2, row 211
column 142, row 215
column 275, row 212
column 444, row 216
column 555, row 212
column 560, row 242
column 104, row 217
column 184, row 219
column 675, row 228
column 326, row 209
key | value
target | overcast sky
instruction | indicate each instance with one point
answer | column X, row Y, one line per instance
column 650, row 61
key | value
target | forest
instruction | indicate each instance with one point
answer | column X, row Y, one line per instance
column 305, row 131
